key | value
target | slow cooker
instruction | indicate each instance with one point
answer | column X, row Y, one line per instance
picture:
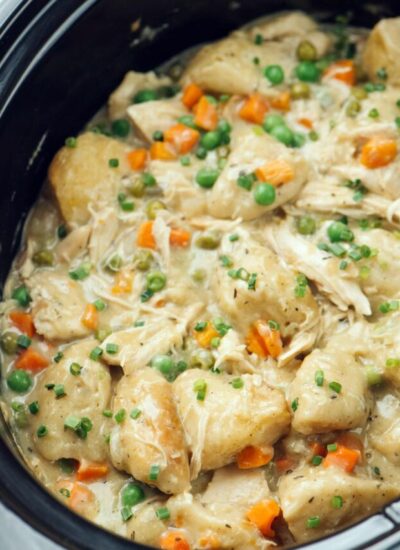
column 59, row 60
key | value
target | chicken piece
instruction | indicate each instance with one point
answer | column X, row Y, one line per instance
column 249, row 152
column 327, row 195
column 132, row 83
column 273, row 298
column 153, row 116
column 138, row 345
column 228, row 419
column 384, row 429
column 74, row 244
column 58, row 304
column 382, row 50
column 341, row 286
column 180, row 193
column 308, row 493
column 81, row 176
column 104, row 231
column 320, row 407
column 154, row 438
column 86, row 396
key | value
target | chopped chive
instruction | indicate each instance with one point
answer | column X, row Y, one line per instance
column 154, row 472
column 113, row 163
column 59, row 390
column 313, row 522
column 126, row 513
column 65, row 492
column 138, row 324
column 34, row 407
column 99, row 305
column 62, row 231
column 226, row 261
column 215, row 342
column 21, row 295
column 135, row 413
column 392, row 362
column 343, row 264
column 237, row 383
column 75, row 369
column 163, row 513
column 251, row 283
column 58, row 356
column 373, row 113
column 126, row 205
column 96, row 353
column 335, row 386
column 112, row 348
column 220, row 325
column 200, row 326
column 72, row 422
column 148, row 179
column 319, row 377
column 24, row 341
column 273, row 325
column 81, row 272
column 294, row 404
column 107, row 413
column 337, row 502
column 331, row 448
column 185, row 160
column 120, row 415
column 200, row 387
column 42, row 431
column 234, row 237
column 316, row 460
column 71, row 142
column 146, row 295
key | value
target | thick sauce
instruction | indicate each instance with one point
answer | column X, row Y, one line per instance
column 200, row 336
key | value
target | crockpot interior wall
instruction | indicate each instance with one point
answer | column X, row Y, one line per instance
column 59, row 60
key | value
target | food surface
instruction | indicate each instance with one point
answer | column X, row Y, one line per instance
column 200, row 335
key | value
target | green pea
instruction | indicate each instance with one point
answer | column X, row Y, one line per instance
column 9, row 342
column 211, row 140
column 43, row 258
column 120, row 127
column 272, row 121
column 132, row 494
column 19, row 381
column 307, row 71
column 153, row 207
column 148, row 179
column 283, row 134
column 163, row 363
column 156, row 281
column 145, row 95
column 338, row 231
column 275, row 74
column 224, row 127
column 201, row 359
column 187, row 120
column 306, row 51
column 206, row 177
column 353, row 108
column 264, row 194
column 137, row 188
column 143, row 259
column 208, row 241
column 201, row 153
column 306, row 225
column 158, row 135
column 300, row 90
column 199, row 275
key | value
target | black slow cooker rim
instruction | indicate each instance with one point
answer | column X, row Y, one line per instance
column 19, row 491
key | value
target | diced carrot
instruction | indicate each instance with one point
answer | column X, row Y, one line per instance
column 263, row 340
column 80, row 497
column 145, row 237
column 206, row 115
column 91, row 470
column 281, row 102
column 306, row 122
column 24, row 322
column 343, row 457
column 205, row 336
column 378, row 152
column 263, row 514
column 191, row 95
column 122, row 283
column 254, row 457
column 254, row 108
column 90, row 317
column 210, row 542
column 275, row 172
column 179, row 237
column 342, row 70
column 173, row 540
column 160, row 303
column 182, row 137
column 284, row 464
column 351, row 441
column 32, row 360
column 317, row 449
column 160, row 150
column 137, row 158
